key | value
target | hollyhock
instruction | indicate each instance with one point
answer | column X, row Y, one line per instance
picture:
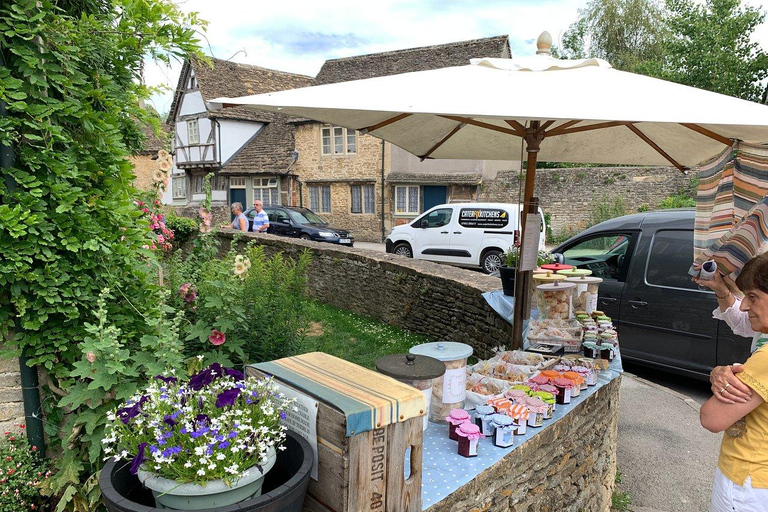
column 217, row 337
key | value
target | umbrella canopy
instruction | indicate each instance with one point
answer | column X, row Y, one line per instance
column 556, row 110
column 586, row 110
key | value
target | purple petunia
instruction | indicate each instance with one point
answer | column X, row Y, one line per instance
column 235, row 374
column 227, row 398
column 139, row 459
column 167, row 380
column 126, row 413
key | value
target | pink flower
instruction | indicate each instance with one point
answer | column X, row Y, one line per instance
column 187, row 292
column 217, row 337
column 160, row 239
column 90, row 356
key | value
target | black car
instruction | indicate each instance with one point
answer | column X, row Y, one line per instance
column 664, row 319
column 301, row 223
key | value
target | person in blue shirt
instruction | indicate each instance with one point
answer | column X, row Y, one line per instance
column 260, row 220
column 240, row 222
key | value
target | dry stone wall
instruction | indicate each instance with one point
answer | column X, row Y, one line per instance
column 438, row 301
column 570, row 195
column 11, row 404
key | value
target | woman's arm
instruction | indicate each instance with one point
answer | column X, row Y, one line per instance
column 243, row 224
column 725, row 298
column 717, row 416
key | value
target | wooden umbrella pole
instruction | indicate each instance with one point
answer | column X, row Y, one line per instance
column 522, row 310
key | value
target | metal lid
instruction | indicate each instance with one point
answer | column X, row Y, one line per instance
column 583, row 279
column 410, row 367
column 556, row 266
column 443, row 350
column 556, row 286
column 575, row 272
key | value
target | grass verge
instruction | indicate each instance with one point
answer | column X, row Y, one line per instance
column 620, row 500
column 358, row 339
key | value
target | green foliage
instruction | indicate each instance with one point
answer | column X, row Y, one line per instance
column 627, row 33
column 22, row 473
column 676, row 201
column 511, row 256
column 257, row 302
column 620, row 500
column 606, row 208
column 69, row 226
column 183, row 227
column 712, row 47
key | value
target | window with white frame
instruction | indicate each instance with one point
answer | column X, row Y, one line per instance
column 266, row 190
column 193, row 132
column 179, row 185
column 237, row 182
column 363, row 199
column 406, row 199
column 320, row 198
column 338, row 141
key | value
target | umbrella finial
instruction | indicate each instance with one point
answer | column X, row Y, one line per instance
column 544, row 44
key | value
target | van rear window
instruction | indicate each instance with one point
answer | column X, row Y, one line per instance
column 670, row 258
column 493, row 218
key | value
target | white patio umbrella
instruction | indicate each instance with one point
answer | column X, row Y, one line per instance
column 564, row 111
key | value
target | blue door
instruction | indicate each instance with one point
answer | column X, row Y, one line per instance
column 237, row 195
column 434, row 196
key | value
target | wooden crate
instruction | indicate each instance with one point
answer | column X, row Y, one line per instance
column 364, row 472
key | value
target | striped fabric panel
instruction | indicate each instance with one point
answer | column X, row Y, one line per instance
column 732, row 208
column 368, row 399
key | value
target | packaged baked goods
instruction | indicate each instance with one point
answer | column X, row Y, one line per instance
column 555, row 330
column 448, row 391
column 521, row 357
column 555, row 300
column 585, row 296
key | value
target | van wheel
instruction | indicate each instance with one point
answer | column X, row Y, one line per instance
column 403, row 249
column 491, row 261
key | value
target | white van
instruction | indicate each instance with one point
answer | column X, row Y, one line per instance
column 465, row 234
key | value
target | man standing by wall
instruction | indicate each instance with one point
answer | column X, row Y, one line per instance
column 260, row 220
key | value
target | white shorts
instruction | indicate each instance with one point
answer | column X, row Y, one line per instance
column 729, row 497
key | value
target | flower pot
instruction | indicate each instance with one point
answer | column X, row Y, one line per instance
column 215, row 493
column 283, row 488
column 508, row 279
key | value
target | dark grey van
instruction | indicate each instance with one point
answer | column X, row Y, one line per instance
column 664, row 319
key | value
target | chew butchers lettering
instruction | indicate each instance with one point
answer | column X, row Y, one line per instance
column 492, row 218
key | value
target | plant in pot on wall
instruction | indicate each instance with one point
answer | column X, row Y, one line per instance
column 202, row 443
column 508, row 269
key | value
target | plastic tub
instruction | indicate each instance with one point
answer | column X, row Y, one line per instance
column 585, row 296
column 555, row 300
column 450, row 390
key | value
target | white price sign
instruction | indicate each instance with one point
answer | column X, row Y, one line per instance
column 529, row 255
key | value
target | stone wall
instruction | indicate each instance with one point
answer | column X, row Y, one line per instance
column 438, row 301
column 11, row 404
column 570, row 195
column 569, row 466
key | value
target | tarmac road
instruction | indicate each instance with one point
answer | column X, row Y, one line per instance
column 667, row 460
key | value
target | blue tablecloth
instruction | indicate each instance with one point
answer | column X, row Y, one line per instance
column 444, row 470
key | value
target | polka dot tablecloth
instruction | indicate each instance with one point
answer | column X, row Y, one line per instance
column 444, row 470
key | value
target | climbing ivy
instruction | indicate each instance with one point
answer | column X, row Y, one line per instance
column 69, row 225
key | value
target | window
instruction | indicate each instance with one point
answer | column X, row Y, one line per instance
column 265, row 190
column 179, row 184
column 338, row 141
column 670, row 258
column 407, row 200
column 435, row 219
column 238, row 182
column 603, row 255
column 362, row 199
column 219, row 182
column 320, row 198
column 193, row 132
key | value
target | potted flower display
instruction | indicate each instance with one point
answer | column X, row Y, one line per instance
column 202, row 443
column 508, row 269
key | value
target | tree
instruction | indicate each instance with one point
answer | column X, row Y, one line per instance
column 69, row 225
column 710, row 47
column 627, row 33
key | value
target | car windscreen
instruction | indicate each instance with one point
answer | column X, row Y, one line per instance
column 306, row 217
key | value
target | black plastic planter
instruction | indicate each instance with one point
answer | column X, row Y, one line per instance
column 507, row 275
column 284, row 486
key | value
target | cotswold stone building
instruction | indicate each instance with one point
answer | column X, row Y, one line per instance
column 354, row 181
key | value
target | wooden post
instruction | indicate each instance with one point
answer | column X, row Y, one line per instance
column 533, row 139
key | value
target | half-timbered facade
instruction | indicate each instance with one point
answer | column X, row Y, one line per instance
column 249, row 152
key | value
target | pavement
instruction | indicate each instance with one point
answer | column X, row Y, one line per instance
column 666, row 458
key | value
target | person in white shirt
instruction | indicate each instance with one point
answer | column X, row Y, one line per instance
column 261, row 219
column 725, row 386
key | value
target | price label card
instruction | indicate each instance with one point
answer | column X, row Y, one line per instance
column 529, row 254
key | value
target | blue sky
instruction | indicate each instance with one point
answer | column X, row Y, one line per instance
column 299, row 35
